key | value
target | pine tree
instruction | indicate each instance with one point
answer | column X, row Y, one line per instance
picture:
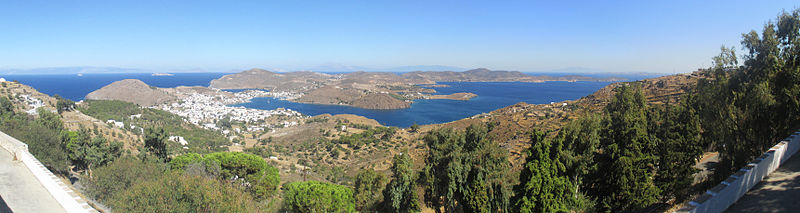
column 626, row 165
column 400, row 194
column 544, row 186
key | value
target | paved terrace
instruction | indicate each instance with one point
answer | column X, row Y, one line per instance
column 770, row 183
column 779, row 192
column 27, row 186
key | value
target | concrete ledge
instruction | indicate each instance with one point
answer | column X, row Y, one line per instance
column 12, row 145
column 56, row 188
column 722, row 196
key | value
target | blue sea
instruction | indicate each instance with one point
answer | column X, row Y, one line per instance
column 76, row 87
column 491, row 95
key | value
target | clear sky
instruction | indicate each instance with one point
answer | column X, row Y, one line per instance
column 649, row 36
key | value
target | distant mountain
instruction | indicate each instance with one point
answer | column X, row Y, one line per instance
column 421, row 68
column 348, row 68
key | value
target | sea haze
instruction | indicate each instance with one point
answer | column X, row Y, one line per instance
column 491, row 96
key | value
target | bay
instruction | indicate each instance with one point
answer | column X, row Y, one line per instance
column 491, row 96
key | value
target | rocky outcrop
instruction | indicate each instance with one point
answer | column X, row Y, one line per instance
column 131, row 90
column 461, row 96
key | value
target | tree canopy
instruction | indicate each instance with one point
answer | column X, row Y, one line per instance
column 315, row 196
column 400, row 194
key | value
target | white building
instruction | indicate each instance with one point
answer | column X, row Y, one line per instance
column 179, row 139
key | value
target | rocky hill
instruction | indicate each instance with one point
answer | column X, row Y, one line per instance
column 263, row 79
column 131, row 90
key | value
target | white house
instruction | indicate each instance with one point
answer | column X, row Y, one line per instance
column 119, row 124
column 179, row 139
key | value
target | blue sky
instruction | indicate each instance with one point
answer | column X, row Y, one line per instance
column 619, row 36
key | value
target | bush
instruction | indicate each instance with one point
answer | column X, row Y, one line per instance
column 122, row 174
column 368, row 187
column 262, row 178
column 177, row 192
column 315, row 196
column 43, row 136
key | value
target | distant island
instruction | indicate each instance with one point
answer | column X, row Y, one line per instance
column 162, row 74
column 374, row 90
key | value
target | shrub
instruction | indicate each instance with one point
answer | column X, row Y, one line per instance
column 315, row 196
column 262, row 178
column 122, row 174
column 177, row 192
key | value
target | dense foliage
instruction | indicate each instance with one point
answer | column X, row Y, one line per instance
column 177, row 192
column 155, row 143
column 746, row 108
column 466, row 170
column 63, row 104
column 121, row 175
column 544, row 185
column 44, row 135
column 400, row 194
column 315, row 196
column 86, row 152
column 629, row 157
column 370, row 135
column 260, row 178
column 367, row 188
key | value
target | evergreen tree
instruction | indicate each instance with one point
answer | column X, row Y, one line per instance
column 155, row 142
column 487, row 189
column 678, row 136
column 581, row 140
column 544, row 186
column 465, row 171
column 86, row 153
column 63, row 104
column 368, row 187
column 6, row 107
column 746, row 108
column 626, row 165
column 315, row 196
column 400, row 194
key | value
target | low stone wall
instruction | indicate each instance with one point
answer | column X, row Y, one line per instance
column 723, row 195
column 13, row 145
column 60, row 191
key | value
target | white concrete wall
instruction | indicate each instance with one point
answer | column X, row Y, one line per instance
column 729, row 191
column 60, row 191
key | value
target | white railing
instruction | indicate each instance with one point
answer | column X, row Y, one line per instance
column 60, row 191
column 723, row 195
